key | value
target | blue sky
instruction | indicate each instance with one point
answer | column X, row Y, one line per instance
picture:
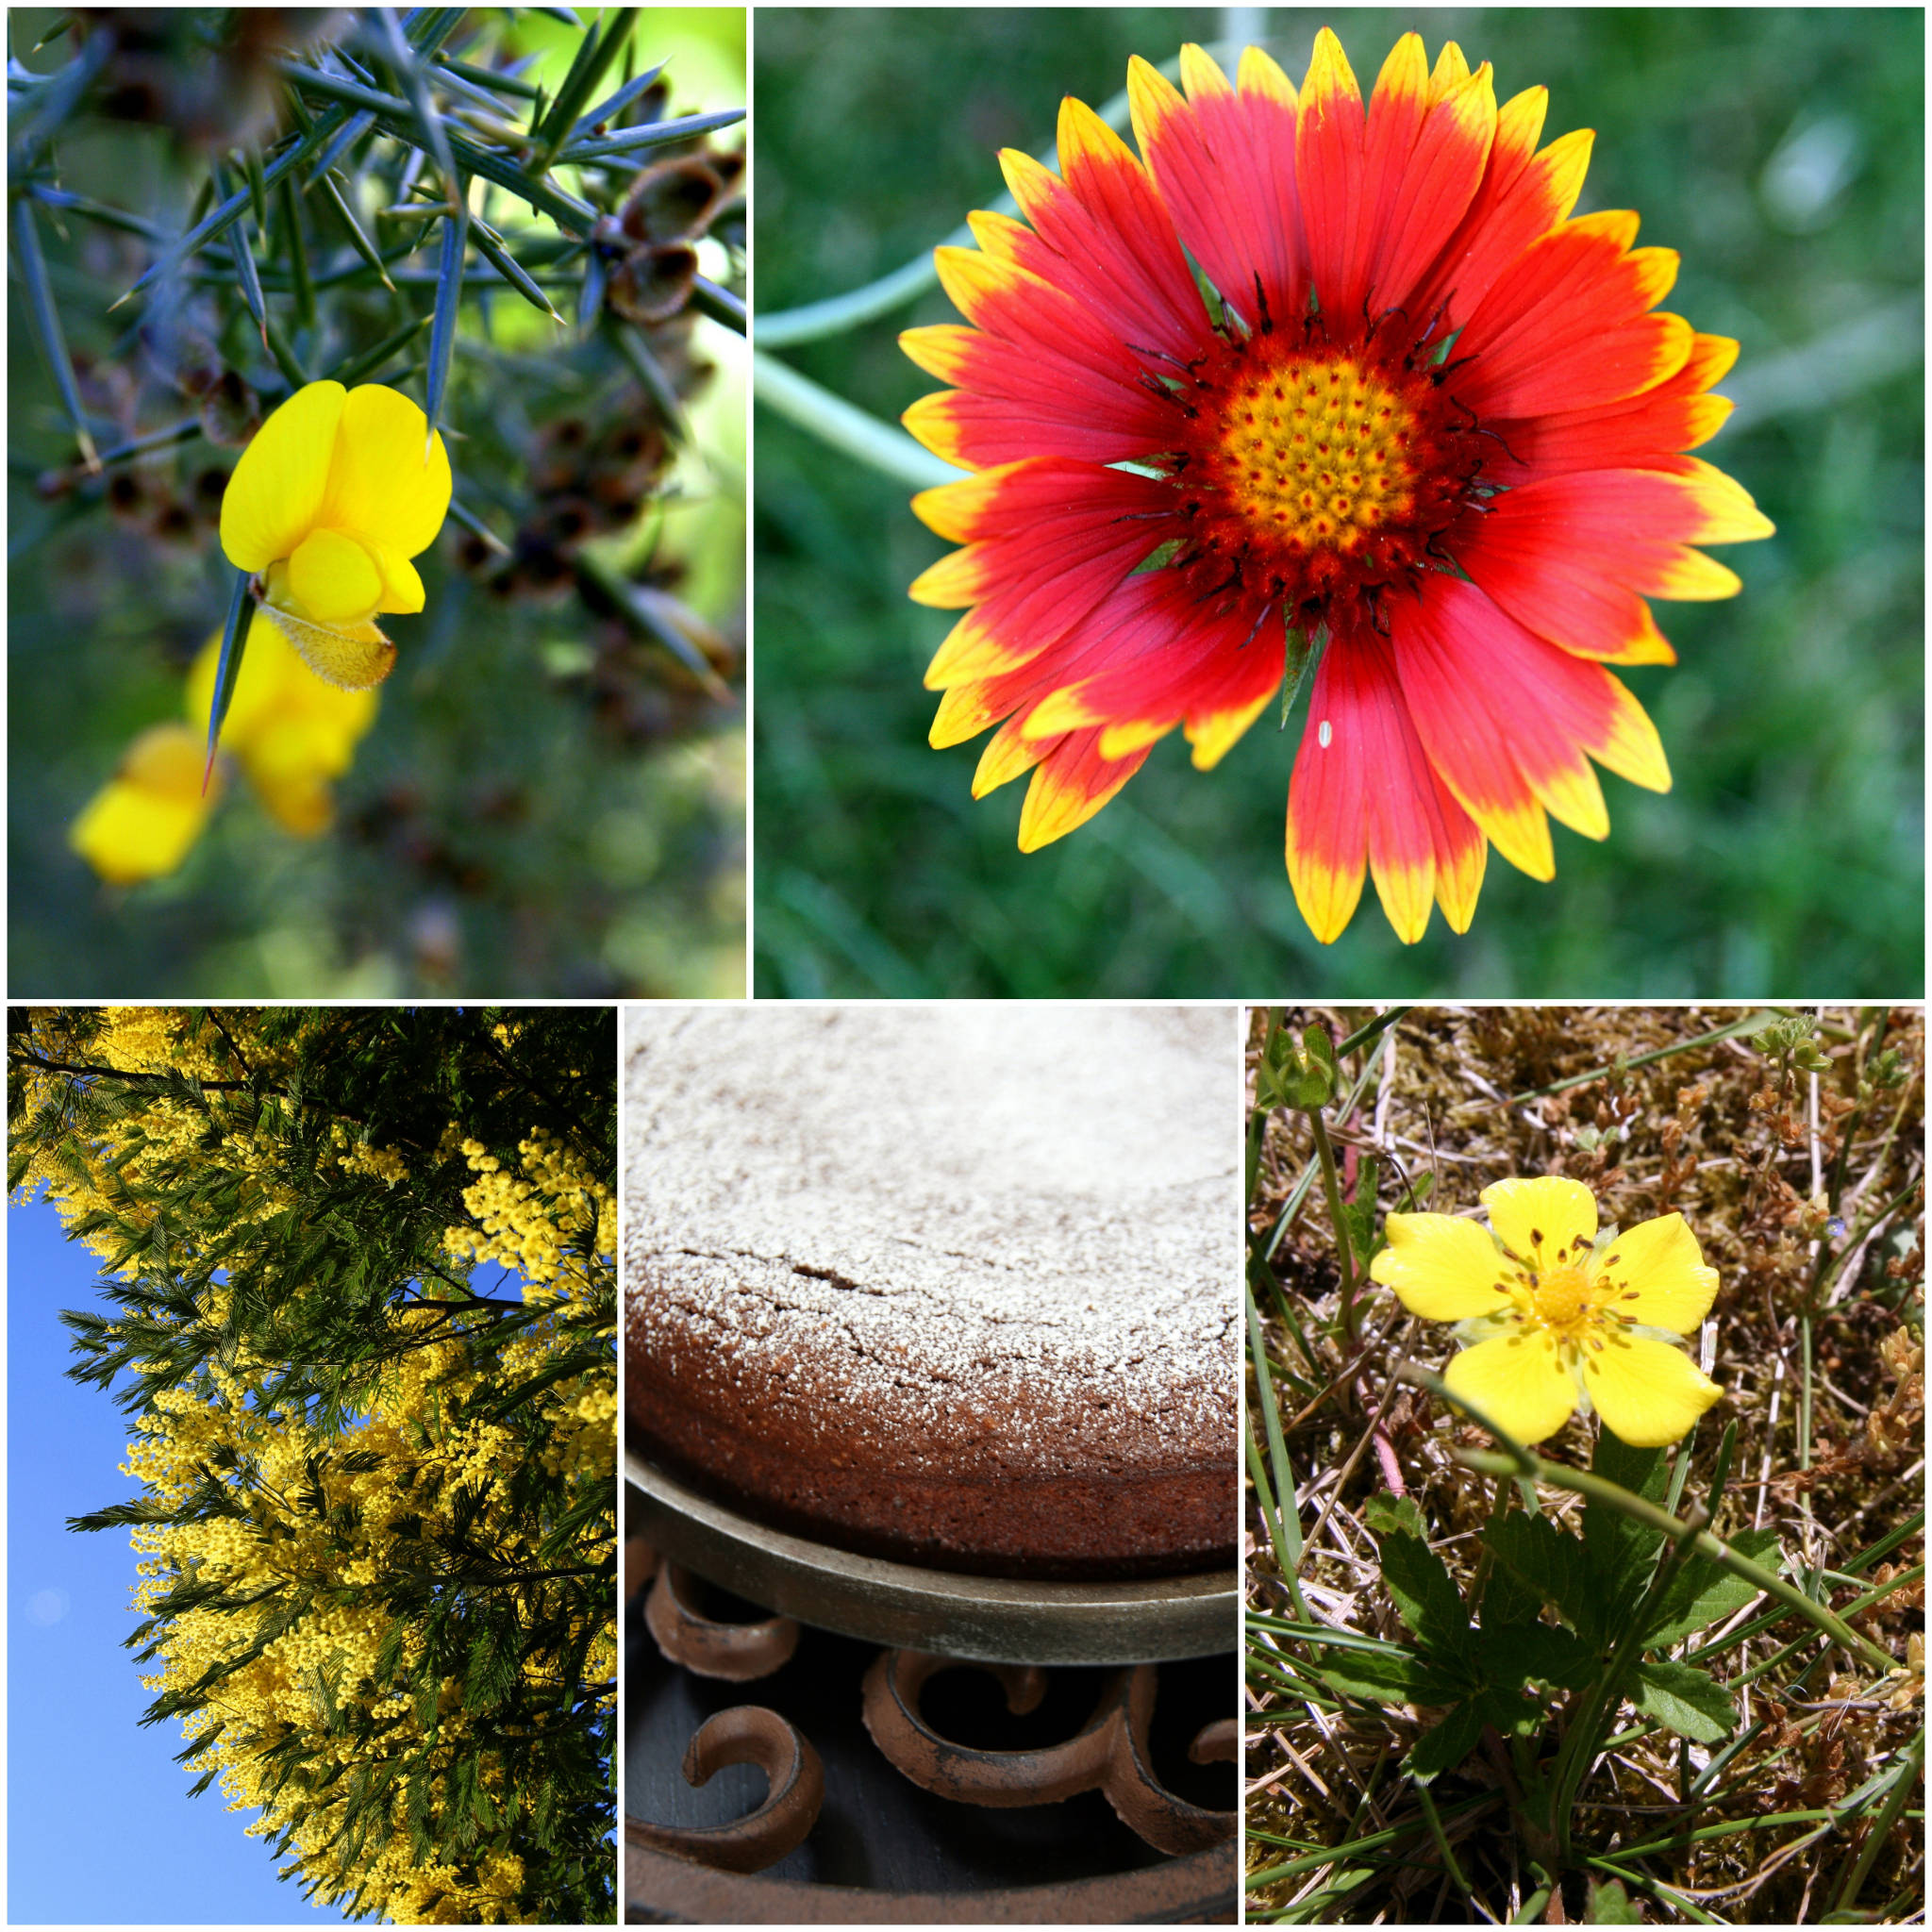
column 100, row 1827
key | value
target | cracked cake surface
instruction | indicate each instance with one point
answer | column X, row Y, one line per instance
column 956, row 1285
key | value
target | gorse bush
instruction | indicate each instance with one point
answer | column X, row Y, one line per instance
column 362, row 1277
column 503, row 231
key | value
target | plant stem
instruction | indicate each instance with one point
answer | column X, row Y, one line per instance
column 1344, row 1250
column 835, row 421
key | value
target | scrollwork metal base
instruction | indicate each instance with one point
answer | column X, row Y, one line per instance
column 704, row 1871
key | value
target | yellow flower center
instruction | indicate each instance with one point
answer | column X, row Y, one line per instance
column 1316, row 451
column 1561, row 1296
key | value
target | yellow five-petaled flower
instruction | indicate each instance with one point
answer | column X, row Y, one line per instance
column 1554, row 1317
column 339, row 490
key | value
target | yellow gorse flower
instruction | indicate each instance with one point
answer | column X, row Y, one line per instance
column 289, row 731
column 1554, row 1316
column 339, row 490
column 142, row 822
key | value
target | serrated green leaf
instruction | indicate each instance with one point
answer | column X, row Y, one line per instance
column 1704, row 1592
column 1387, row 1513
column 1684, row 1699
column 1622, row 1551
column 1551, row 1564
column 1381, row 1678
column 1512, row 1654
column 1608, row 1904
column 1426, row 1595
column 1445, row 1747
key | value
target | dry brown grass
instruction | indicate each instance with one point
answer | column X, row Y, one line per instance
column 1760, row 1166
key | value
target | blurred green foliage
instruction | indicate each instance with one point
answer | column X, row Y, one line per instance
column 551, row 801
column 1781, row 152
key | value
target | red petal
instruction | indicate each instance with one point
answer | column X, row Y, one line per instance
column 1677, row 415
column 1506, row 719
column 1058, row 537
column 1571, row 557
column 1422, row 168
column 1330, row 169
column 1116, row 240
column 1224, row 162
column 1566, row 326
column 1523, row 195
column 1364, row 791
column 1070, row 784
column 1172, row 660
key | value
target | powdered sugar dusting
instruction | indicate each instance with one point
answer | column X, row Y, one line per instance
column 973, row 1229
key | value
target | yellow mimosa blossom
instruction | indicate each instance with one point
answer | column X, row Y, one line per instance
column 1554, row 1317
column 339, row 490
column 142, row 824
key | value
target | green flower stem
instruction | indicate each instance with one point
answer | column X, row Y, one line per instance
column 1595, row 1488
column 833, row 419
column 1435, row 1831
column 1344, row 1255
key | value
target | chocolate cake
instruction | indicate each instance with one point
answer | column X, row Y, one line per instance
column 953, row 1285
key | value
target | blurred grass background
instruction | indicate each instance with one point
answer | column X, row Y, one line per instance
column 1781, row 152
column 498, row 832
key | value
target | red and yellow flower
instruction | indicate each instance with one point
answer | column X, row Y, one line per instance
column 1322, row 372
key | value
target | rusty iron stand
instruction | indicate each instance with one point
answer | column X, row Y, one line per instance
column 994, row 1762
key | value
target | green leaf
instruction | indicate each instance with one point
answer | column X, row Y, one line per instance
column 1389, row 1514
column 1379, row 1677
column 1445, row 1747
column 1550, row 1563
column 1424, row 1592
column 1704, row 1592
column 1359, row 1214
column 1608, row 1904
column 1512, row 1654
column 1622, row 1550
column 1684, row 1699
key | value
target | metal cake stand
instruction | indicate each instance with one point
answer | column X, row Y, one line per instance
column 984, row 1620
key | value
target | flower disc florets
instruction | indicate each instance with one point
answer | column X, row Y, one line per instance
column 1316, row 475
